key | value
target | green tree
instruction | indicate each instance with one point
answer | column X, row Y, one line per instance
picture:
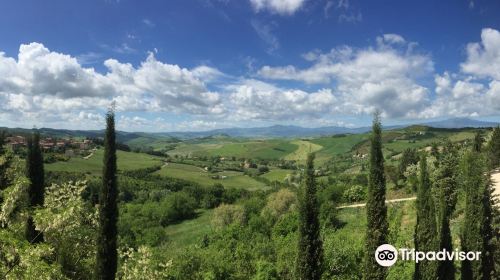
column 35, row 173
column 106, row 261
column 426, row 228
column 478, row 141
column 376, row 210
column 310, row 246
column 408, row 157
column 446, row 184
column 477, row 230
column 494, row 148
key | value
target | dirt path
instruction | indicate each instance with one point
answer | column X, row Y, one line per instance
column 495, row 177
column 387, row 201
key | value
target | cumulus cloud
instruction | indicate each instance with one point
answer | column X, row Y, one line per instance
column 44, row 85
column 483, row 59
column 282, row 7
column 58, row 77
column 475, row 91
column 257, row 100
column 366, row 79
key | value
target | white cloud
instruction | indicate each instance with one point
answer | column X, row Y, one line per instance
column 483, row 59
column 367, row 79
column 282, row 7
column 42, row 85
column 256, row 100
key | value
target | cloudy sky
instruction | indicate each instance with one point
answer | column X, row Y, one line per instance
column 204, row 64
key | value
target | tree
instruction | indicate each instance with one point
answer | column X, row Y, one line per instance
column 478, row 141
column 2, row 142
column 106, row 261
column 376, row 210
column 408, row 157
column 477, row 229
column 426, row 228
column 35, row 173
column 446, row 185
column 494, row 148
column 310, row 246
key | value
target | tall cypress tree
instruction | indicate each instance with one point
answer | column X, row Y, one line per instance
column 478, row 142
column 426, row 227
column 310, row 256
column 35, row 173
column 107, row 257
column 494, row 148
column 376, row 210
column 446, row 184
column 477, row 229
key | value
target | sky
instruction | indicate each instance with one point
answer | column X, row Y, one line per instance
column 195, row 65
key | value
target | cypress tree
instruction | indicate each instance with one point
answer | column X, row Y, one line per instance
column 494, row 148
column 446, row 183
column 35, row 173
column 477, row 229
column 426, row 227
column 376, row 210
column 107, row 257
column 310, row 247
column 478, row 142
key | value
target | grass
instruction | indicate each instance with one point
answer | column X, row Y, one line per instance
column 304, row 148
column 126, row 161
column 336, row 145
column 190, row 231
column 263, row 149
column 276, row 175
column 195, row 174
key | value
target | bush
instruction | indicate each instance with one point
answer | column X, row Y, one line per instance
column 213, row 196
column 279, row 203
column 355, row 193
column 226, row 214
column 177, row 207
column 263, row 169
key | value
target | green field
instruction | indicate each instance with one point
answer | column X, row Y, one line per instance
column 263, row 149
column 190, row 231
column 276, row 175
column 304, row 148
column 126, row 161
column 198, row 175
column 335, row 145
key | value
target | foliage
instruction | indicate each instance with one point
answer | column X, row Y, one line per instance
column 69, row 224
column 477, row 229
column 107, row 255
column 426, row 228
column 35, row 173
column 226, row 214
column 376, row 211
column 278, row 204
column 140, row 264
column 354, row 193
column 309, row 264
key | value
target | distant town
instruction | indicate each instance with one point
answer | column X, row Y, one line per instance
column 70, row 147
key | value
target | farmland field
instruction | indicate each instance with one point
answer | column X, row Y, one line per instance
column 126, row 161
column 198, row 175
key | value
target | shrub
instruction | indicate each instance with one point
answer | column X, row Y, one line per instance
column 226, row 214
column 279, row 203
column 355, row 193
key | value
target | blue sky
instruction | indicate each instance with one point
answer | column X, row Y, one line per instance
column 203, row 64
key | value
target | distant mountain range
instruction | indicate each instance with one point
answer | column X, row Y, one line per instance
column 275, row 131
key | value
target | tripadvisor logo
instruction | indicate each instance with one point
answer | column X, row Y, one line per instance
column 387, row 255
